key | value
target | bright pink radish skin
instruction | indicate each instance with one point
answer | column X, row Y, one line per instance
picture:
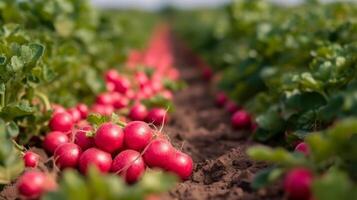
column 58, row 109
column 67, row 155
column 302, row 147
column 120, row 101
column 61, row 122
column 297, row 184
column 158, row 153
column 122, row 85
column 111, row 75
column 181, row 164
column 241, row 120
column 53, row 140
column 82, row 140
column 157, row 116
column 109, row 137
column 221, row 99
column 32, row 184
column 83, row 109
column 106, row 110
column 137, row 135
column 31, row 159
column 105, row 99
column 76, row 115
column 129, row 164
column 138, row 112
column 97, row 158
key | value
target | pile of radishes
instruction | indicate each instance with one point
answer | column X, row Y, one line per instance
column 127, row 148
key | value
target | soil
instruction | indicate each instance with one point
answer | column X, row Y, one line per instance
column 222, row 168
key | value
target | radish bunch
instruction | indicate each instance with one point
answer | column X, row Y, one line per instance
column 127, row 151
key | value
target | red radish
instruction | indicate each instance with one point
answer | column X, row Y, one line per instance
column 83, row 109
column 109, row 137
column 122, row 85
column 82, row 140
column 105, row 99
column 58, row 109
column 76, row 115
column 167, row 94
column 302, row 147
column 130, row 94
column 137, row 135
column 106, row 110
column 31, row 159
column 180, row 164
column 157, row 116
column 231, row 107
column 156, row 86
column 129, row 164
column 207, row 74
column 61, row 122
column 141, row 78
column 297, row 184
column 97, row 158
column 138, row 112
column 53, row 140
column 110, row 86
column 158, row 153
column 67, row 155
column 221, row 99
column 120, row 101
column 32, row 184
column 241, row 120
column 111, row 75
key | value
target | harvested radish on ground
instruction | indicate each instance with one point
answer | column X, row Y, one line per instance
column 302, row 147
column 97, row 158
column 111, row 75
column 83, row 109
column 58, row 109
column 31, row 159
column 138, row 112
column 61, row 122
column 137, row 135
column 32, row 184
column 157, row 116
column 67, row 155
column 181, row 164
column 297, row 184
column 76, row 115
column 231, row 107
column 82, row 140
column 105, row 99
column 158, row 153
column 241, row 120
column 129, row 164
column 105, row 110
column 221, row 99
column 109, row 137
column 53, row 140
column 122, row 85
column 120, row 101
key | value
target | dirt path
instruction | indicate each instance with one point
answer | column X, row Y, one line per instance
column 223, row 171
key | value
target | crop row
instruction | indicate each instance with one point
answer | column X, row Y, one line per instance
column 293, row 69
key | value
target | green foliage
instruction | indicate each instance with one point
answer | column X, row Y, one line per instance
column 332, row 154
column 291, row 79
column 98, row 186
column 55, row 51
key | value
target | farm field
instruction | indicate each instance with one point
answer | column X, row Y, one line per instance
column 251, row 100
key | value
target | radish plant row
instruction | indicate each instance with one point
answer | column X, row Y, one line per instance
column 293, row 69
column 74, row 82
